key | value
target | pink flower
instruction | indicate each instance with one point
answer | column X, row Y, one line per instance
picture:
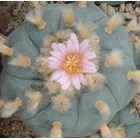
column 70, row 61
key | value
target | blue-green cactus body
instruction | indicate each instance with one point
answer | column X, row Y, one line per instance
column 131, row 123
column 137, row 54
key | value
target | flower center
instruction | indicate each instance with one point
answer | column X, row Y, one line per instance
column 72, row 64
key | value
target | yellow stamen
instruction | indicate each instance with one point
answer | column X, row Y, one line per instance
column 72, row 64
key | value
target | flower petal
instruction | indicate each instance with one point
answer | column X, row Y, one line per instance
column 69, row 47
column 58, row 55
column 73, row 38
column 64, row 77
column 89, row 67
column 55, row 46
column 82, row 79
column 89, row 64
column 66, row 84
column 54, row 65
column 84, row 46
column 62, row 48
column 74, row 42
column 87, row 70
column 89, row 55
column 56, row 75
column 53, row 59
column 76, row 81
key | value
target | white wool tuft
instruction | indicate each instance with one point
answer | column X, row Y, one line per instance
column 56, row 131
column 21, row 61
column 103, row 108
column 10, row 108
column 34, row 99
column 114, row 22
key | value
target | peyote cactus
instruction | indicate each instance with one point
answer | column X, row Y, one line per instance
column 98, row 80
